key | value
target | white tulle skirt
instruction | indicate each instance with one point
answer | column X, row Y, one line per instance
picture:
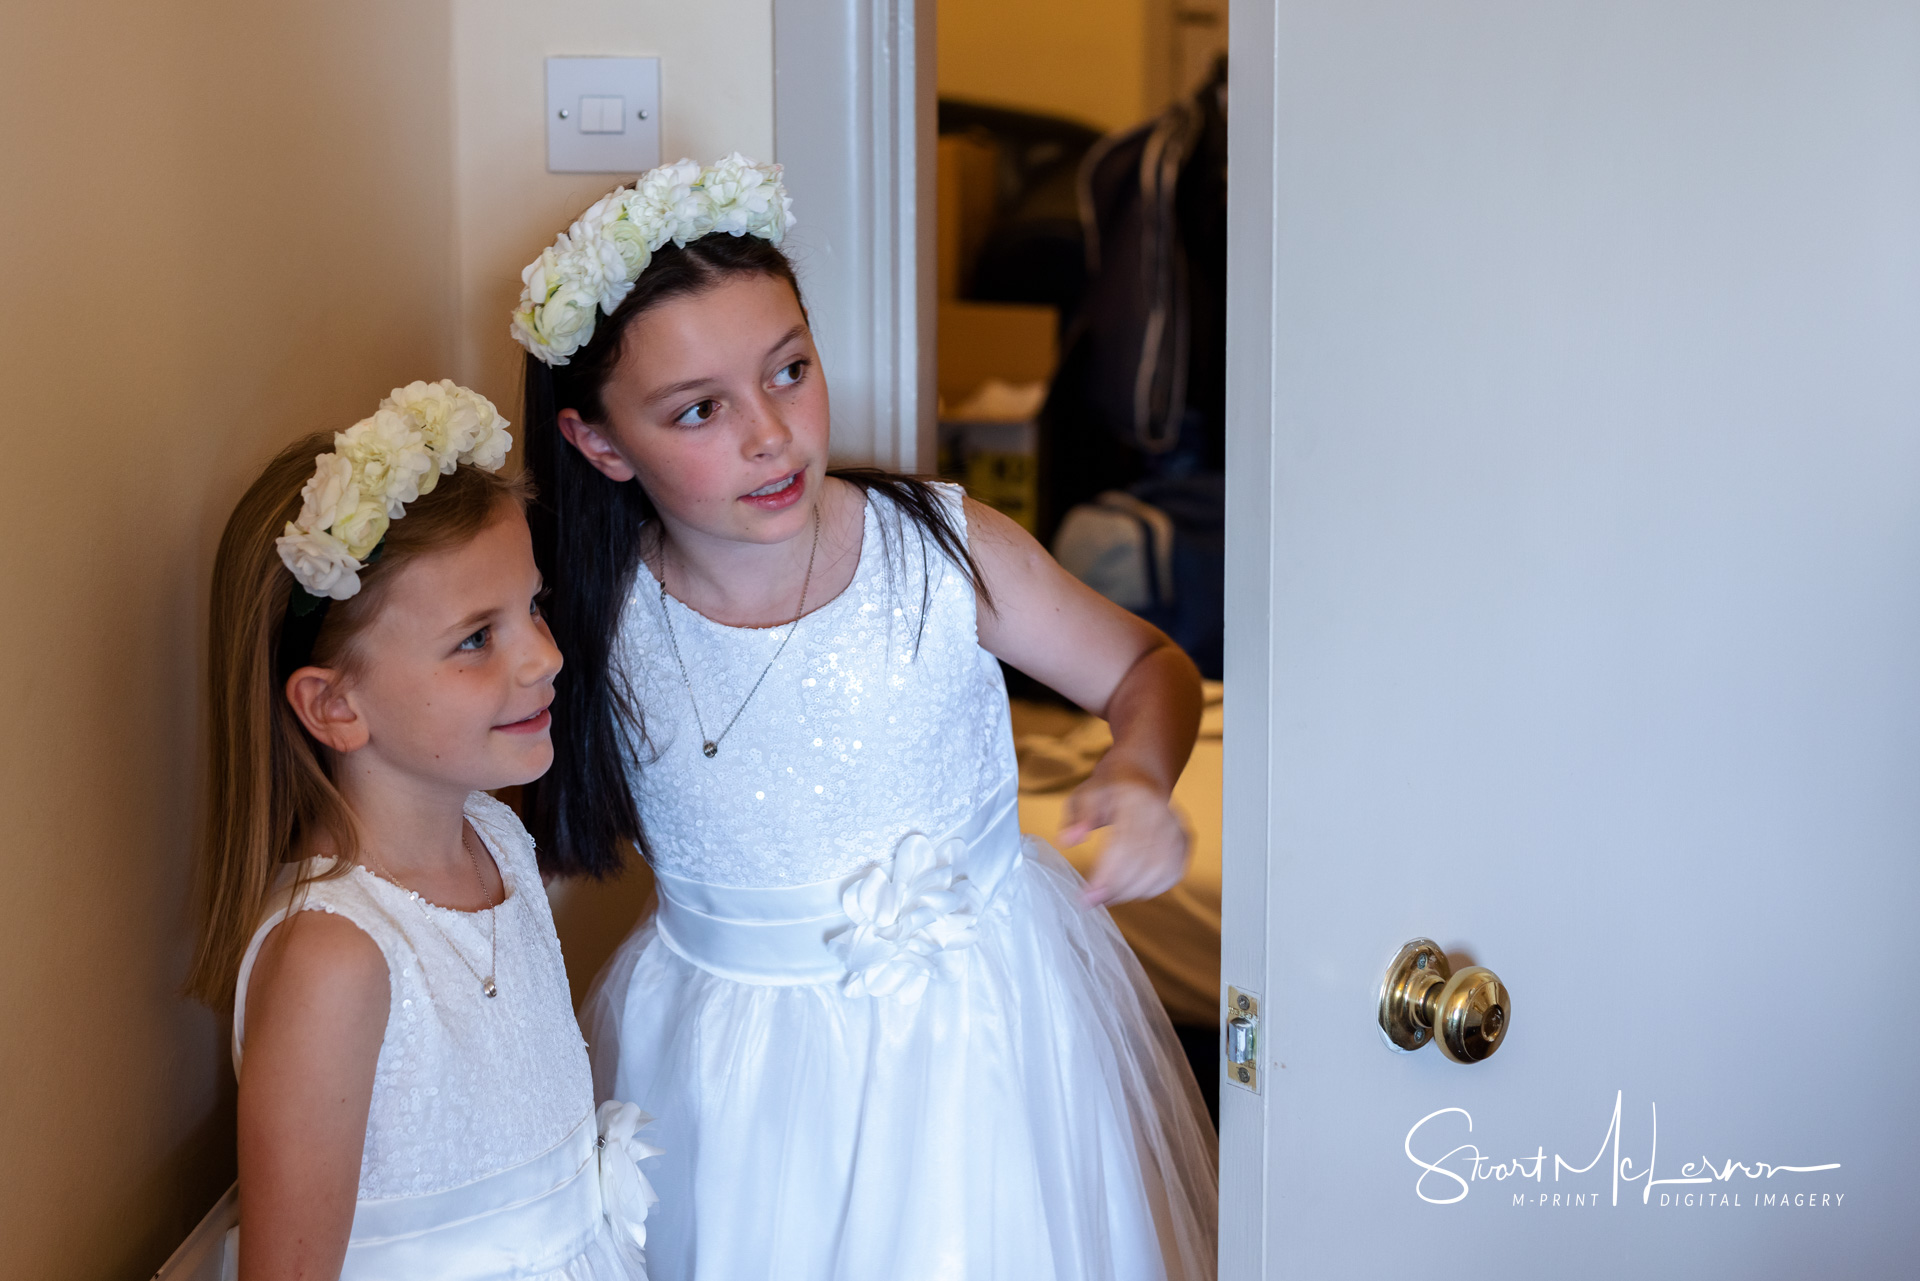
column 1031, row 1116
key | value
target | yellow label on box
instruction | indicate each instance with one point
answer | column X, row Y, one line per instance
column 1008, row 483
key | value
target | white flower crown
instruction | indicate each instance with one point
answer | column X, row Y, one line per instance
column 419, row 434
column 595, row 262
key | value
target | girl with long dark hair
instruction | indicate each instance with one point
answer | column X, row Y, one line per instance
column 885, row 1034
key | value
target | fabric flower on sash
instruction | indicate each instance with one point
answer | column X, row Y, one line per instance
column 908, row 923
column 624, row 1191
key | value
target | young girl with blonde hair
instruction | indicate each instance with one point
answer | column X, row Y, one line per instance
column 415, row 1099
column 886, row 1034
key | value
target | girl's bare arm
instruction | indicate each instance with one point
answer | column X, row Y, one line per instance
column 1061, row 632
column 316, row 1013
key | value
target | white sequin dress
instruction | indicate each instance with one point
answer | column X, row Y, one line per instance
column 882, row 1036
column 485, row 1158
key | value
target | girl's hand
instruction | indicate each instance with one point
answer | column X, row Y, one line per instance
column 1147, row 853
column 1062, row 633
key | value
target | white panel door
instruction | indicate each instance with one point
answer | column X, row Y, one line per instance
column 1575, row 623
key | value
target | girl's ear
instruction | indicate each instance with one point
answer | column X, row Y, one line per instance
column 319, row 698
column 593, row 446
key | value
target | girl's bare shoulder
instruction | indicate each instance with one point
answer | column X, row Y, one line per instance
column 321, row 965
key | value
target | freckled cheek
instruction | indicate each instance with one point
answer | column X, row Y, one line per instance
column 809, row 423
column 690, row 477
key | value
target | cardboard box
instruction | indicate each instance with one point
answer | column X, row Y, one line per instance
column 1015, row 342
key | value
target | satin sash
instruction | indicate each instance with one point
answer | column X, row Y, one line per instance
column 531, row 1218
column 777, row 935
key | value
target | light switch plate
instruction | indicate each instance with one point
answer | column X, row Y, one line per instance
column 603, row 115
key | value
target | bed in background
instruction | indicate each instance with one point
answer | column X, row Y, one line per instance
column 1177, row 935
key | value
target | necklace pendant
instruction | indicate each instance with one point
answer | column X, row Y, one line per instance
column 709, row 749
column 487, row 986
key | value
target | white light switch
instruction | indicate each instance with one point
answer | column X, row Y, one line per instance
column 603, row 115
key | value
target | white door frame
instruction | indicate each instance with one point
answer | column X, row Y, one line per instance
column 1247, row 821
column 854, row 124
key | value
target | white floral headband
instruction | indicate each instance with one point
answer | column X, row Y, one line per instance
column 595, row 262
column 419, row 434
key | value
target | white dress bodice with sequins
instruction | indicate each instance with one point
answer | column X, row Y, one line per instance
column 883, row 716
column 465, row 1085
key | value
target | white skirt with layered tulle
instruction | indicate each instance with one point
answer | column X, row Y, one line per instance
column 944, row 1068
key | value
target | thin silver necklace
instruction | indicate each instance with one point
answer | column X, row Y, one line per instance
column 486, row 982
column 710, row 747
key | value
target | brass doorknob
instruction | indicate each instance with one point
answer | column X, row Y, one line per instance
column 1423, row 1000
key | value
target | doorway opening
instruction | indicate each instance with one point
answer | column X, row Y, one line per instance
column 1081, row 281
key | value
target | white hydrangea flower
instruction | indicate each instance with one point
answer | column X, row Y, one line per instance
column 669, row 204
column 319, row 562
column 428, row 409
column 329, row 494
column 485, row 443
column 594, row 263
column 389, row 457
column 489, row 451
column 778, row 220
column 743, row 193
column 603, row 211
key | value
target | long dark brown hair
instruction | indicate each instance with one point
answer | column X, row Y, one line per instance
column 587, row 540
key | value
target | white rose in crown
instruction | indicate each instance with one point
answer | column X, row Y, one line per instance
column 363, row 529
column 557, row 304
column 565, row 321
column 320, row 563
column 628, row 242
column 595, row 262
column 421, row 432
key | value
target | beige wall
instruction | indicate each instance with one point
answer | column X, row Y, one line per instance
column 221, row 224
column 716, row 96
column 1090, row 60
column 216, row 233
